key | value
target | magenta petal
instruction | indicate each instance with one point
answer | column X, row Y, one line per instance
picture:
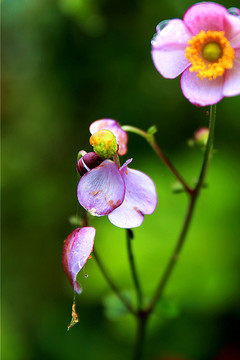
column 101, row 189
column 205, row 16
column 168, row 49
column 201, row 92
column 76, row 250
column 231, row 85
column 140, row 198
column 115, row 128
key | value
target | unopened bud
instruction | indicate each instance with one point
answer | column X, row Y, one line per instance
column 104, row 143
column 201, row 136
column 87, row 162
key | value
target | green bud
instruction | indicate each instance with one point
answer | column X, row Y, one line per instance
column 201, row 136
column 104, row 143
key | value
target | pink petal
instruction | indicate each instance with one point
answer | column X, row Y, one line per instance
column 201, row 92
column 76, row 250
column 101, row 189
column 231, row 85
column 168, row 49
column 115, row 128
column 232, row 29
column 140, row 198
column 205, row 16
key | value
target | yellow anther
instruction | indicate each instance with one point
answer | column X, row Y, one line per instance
column 210, row 54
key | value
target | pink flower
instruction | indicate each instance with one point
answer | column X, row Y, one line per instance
column 124, row 194
column 110, row 124
column 76, row 251
column 205, row 48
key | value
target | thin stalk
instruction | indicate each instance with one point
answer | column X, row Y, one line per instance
column 175, row 255
column 192, row 202
column 208, row 150
column 152, row 142
column 133, row 267
column 141, row 334
column 111, row 283
column 116, row 159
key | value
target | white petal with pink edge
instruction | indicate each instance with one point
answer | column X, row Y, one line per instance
column 205, row 16
column 170, row 63
column 201, row 92
column 101, row 189
column 76, row 250
column 231, row 85
column 168, row 49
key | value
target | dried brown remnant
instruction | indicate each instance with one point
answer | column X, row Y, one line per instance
column 75, row 318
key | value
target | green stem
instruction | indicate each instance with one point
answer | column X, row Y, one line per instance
column 111, row 283
column 133, row 267
column 152, row 142
column 208, row 150
column 192, row 202
column 141, row 334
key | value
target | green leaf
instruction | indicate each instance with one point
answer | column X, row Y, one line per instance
column 152, row 130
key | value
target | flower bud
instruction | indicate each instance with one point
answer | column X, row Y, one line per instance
column 104, row 143
column 87, row 162
column 201, row 136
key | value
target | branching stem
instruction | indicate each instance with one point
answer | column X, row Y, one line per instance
column 192, row 202
column 133, row 267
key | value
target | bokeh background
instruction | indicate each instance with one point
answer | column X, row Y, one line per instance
column 65, row 64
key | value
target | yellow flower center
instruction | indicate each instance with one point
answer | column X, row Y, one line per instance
column 210, row 54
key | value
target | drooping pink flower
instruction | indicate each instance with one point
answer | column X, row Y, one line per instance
column 115, row 128
column 205, row 48
column 76, row 251
column 124, row 194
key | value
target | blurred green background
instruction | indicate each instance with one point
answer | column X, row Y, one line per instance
column 65, row 64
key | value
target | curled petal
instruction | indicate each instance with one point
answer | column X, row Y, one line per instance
column 102, row 189
column 115, row 128
column 205, row 16
column 140, row 198
column 201, row 92
column 231, row 85
column 168, row 49
column 76, row 250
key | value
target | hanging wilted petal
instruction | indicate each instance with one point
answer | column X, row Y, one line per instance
column 76, row 250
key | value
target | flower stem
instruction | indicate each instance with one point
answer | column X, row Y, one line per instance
column 152, row 142
column 133, row 267
column 141, row 334
column 192, row 202
column 116, row 159
column 111, row 283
